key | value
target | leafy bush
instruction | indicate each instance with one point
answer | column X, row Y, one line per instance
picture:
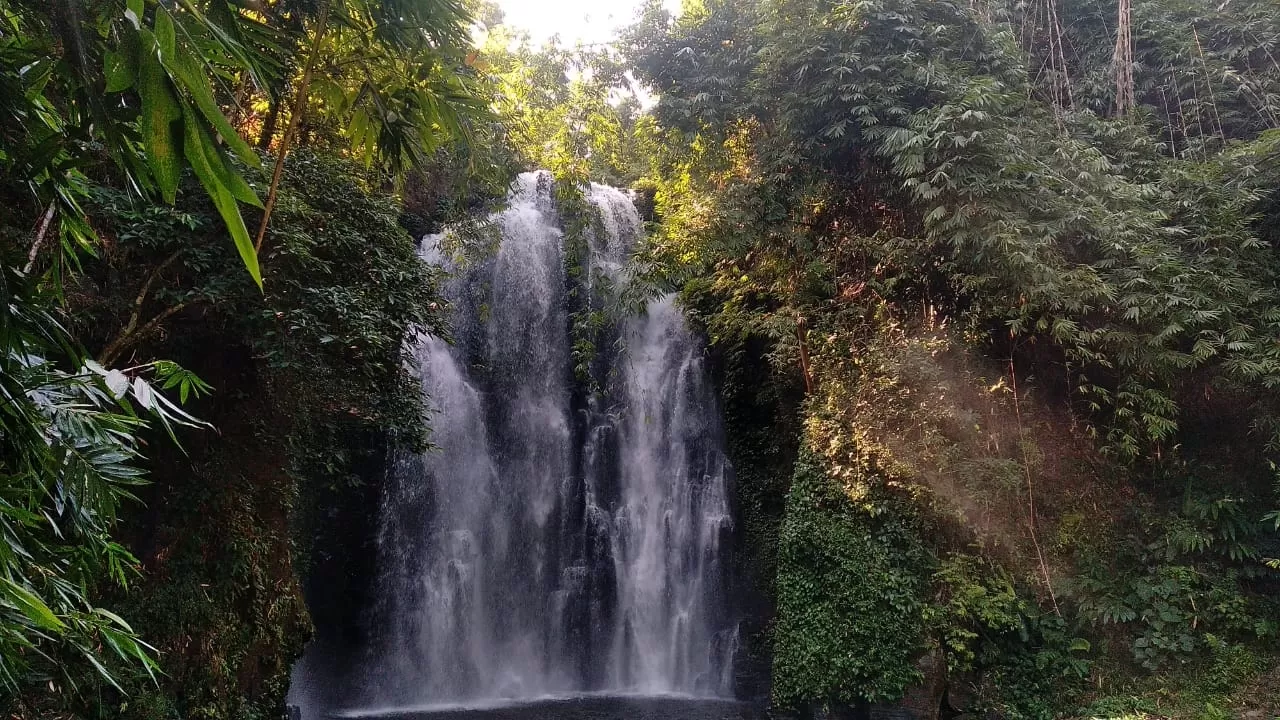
column 850, row 596
column 1185, row 584
column 1025, row 660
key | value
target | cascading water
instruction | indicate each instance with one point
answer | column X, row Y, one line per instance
column 563, row 536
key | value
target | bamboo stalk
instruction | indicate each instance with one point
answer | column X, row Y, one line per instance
column 42, row 233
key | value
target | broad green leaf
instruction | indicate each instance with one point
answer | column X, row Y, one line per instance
column 230, row 212
column 166, row 35
column 30, row 605
column 134, row 10
column 233, row 181
column 121, row 70
column 159, row 111
column 189, row 71
column 196, row 142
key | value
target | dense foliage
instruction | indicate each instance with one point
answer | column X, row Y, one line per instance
column 849, row 594
column 69, row 456
column 1028, row 285
column 307, row 377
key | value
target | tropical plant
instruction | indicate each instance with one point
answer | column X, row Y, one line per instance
column 147, row 83
column 141, row 95
column 69, row 456
column 390, row 77
column 131, row 79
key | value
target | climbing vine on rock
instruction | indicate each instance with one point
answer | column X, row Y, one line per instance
column 851, row 576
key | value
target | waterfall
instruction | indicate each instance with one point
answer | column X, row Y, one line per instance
column 562, row 536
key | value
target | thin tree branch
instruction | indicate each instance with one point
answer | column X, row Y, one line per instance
column 1031, row 496
column 113, row 351
column 151, row 279
column 130, row 329
column 42, row 233
column 802, row 332
column 299, row 108
column 142, row 294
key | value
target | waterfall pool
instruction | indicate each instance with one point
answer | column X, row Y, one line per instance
column 579, row 707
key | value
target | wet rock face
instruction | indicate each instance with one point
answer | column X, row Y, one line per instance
column 924, row 701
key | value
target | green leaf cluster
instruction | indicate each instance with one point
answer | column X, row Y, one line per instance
column 850, row 591
column 71, row 458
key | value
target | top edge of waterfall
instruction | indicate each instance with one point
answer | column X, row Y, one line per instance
column 531, row 189
column 531, row 183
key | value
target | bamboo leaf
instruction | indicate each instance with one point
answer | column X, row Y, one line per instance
column 160, row 110
column 231, row 179
column 201, row 153
column 189, row 71
column 118, row 383
column 142, row 391
column 31, row 606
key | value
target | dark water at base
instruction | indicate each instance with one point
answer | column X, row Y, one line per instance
column 588, row 707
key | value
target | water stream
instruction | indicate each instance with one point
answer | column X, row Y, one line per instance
column 565, row 536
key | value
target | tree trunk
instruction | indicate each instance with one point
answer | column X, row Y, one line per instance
column 1122, row 59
